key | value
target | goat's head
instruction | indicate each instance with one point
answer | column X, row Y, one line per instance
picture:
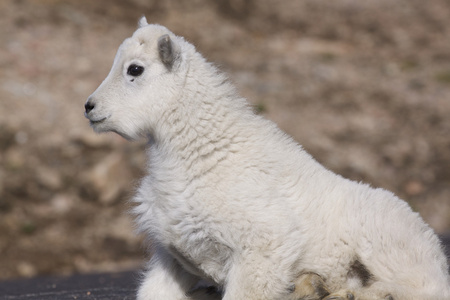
column 145, row 78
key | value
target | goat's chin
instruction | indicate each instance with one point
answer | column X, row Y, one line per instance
column 129, row 135
column 98, row 128
column 110, row 126
column 122, row 134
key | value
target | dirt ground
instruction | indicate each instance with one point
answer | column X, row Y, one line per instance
column 364, row 86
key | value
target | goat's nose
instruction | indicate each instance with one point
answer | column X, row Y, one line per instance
column 88, row 106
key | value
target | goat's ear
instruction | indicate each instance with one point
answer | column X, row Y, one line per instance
column 142, row 22
column 168, row 51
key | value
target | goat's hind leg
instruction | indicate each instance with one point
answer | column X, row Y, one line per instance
column 165, row 279
column 376, row 291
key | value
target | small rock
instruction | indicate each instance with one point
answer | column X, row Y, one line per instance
column 14, row 159
column 49, row 178
column 26, row 269
column 414, row 188
column 21, row 137
column 61, row 203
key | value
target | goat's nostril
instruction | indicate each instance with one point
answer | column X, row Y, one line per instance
column 89, row 106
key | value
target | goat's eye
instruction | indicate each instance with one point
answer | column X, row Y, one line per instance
column 135, row 70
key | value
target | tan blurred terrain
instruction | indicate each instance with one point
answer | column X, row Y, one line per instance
column 364, row 86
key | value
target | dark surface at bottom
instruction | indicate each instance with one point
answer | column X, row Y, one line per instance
column 113, row 286
column 92, row 286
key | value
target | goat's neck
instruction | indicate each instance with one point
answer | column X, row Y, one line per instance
column 198, row 130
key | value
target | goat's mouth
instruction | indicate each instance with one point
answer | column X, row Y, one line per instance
column 96, row 121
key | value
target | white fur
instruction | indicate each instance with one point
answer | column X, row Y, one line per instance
column 232, row 199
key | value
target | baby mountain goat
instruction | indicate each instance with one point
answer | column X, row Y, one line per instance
column 232, row 200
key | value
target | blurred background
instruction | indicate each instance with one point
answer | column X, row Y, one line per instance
column 364, row 86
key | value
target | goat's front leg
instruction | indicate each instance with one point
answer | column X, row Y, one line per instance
column 165, row 279
column 258, row 276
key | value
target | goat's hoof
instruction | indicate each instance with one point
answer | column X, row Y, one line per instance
column 309, row 286
column 342, row 295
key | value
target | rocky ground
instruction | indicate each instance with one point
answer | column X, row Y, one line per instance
column 364, row 86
